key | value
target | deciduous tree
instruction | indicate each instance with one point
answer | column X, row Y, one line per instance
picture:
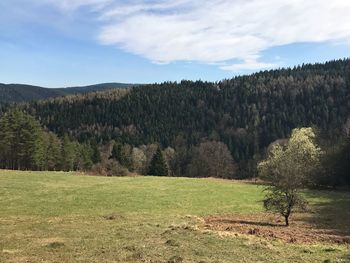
column 212, row 159
column 288, row 169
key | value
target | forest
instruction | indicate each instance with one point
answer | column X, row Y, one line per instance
column 10, row 93
column 25, row 145
column 188, row 121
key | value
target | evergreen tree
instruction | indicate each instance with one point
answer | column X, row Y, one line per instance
column 158, row 164
column 53, row 152
column 68, row 154
column 39, row 154
column 21, row 141
column 96, row 154
column 83, row 159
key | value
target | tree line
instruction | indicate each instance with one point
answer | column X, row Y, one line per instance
column 208, row 159
column 25, row 145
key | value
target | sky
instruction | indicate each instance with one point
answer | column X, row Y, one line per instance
column 60, row 43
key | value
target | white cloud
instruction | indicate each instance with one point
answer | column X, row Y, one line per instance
column 221, row 30
column 248, row 65
column 216, row 31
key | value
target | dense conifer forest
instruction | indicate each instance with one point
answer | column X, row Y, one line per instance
column 24, row 93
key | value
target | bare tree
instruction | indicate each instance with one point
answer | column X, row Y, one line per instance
column 169, row 155
column 212, row 159
column 139, row 160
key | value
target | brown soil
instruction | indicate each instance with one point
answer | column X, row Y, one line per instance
column 270, row 226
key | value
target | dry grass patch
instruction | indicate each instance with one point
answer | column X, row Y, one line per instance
column 301, row 229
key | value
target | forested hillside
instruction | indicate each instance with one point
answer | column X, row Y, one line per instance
column 21, row 93
column 24, row 93
column 247, row 113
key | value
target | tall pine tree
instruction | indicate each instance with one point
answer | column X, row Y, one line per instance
column 21, row 141
column 158, row 165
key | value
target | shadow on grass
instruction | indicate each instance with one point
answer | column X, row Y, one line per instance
column 330, row 211
column 246, row 222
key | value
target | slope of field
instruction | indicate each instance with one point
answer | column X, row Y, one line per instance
column 64, row 217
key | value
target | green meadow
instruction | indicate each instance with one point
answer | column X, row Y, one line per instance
column 68, row 217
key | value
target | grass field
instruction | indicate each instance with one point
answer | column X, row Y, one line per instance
column 63, row 217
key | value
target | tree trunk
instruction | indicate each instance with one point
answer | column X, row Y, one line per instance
column 286, row 220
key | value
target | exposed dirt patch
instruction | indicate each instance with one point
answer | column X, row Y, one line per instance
column 272, row 227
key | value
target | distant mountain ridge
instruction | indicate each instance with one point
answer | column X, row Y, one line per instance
column 23, row 93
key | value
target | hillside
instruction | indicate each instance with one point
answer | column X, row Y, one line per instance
column 24, row 93
column 21, row 93
column 247, row 113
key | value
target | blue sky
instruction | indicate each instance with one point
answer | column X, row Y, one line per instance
column 58, row 43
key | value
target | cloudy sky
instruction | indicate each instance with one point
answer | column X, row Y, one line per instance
column 59, row 43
